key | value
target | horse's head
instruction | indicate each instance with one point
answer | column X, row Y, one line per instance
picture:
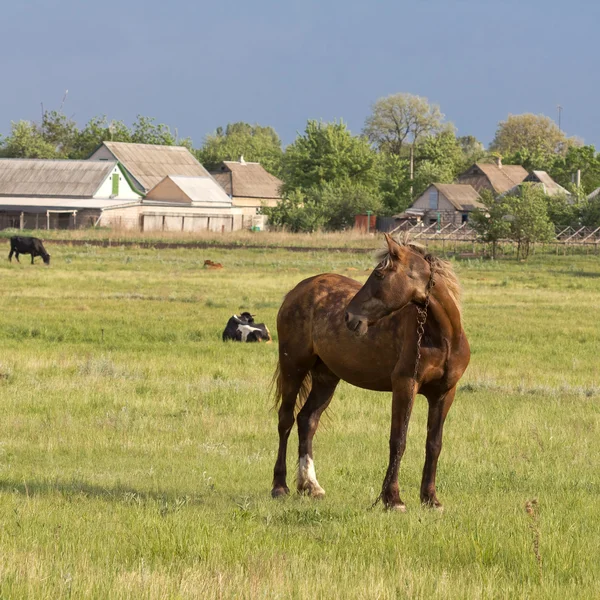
column 400, row 278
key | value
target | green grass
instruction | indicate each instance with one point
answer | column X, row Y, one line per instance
column 136, row 449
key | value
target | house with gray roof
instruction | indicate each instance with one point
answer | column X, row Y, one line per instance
column 148, row 164
column 496, row 177
column 445, row 203
column 38, row 193
column 248, row 184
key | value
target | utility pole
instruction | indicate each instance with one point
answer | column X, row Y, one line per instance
column 559, row 108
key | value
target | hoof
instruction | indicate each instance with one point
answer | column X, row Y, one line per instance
column 396, row 507
column 434, row 504
column 314, row 491
column 280, row 491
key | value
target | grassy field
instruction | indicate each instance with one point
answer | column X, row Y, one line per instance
column 136, row 449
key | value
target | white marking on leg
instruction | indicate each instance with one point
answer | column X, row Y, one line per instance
column 307, row 477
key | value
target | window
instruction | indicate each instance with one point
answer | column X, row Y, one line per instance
column 464, row 217
column 433, row 199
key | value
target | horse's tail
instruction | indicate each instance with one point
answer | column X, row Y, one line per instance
column 277, row 388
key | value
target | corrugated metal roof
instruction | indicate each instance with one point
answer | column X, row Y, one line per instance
column 150, row 163
column 249, row 179
column 199, row 190
column 61, row 178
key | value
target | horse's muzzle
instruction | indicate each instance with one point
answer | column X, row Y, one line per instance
column 356, row 323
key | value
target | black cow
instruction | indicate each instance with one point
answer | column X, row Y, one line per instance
column 27, row 245
column 242, row 328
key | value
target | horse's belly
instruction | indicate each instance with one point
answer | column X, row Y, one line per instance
column 359, row 361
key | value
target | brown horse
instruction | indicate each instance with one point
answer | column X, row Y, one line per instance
column 331, row 328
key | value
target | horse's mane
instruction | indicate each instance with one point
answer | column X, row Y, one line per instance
column 443, row 268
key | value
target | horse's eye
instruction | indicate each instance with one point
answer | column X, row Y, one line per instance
column 379, row 274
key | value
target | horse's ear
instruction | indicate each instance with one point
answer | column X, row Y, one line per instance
column 394, row 247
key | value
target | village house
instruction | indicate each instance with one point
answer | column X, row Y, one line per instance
column 496, row 177
column 60, row 194
column 148, row 164
column 179, row 193
column 249, row 185
column 445, row 203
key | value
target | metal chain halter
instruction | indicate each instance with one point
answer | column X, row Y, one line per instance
column 421, row 320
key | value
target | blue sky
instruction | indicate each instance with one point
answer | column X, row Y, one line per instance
column 196, row 65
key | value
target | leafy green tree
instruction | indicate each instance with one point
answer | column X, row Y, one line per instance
column 331, row 206
column 96, row 131
column 401, row 119
column 529, row 222
column 590, row 212
column 59, row 131
column 583, row 158
column 296, row 212
column 537, row 134
column 328, row 153
column 563, row 212
column 26, row 141
column 146, row 131
column 394, row 183
column 472, row 150
column 340, row 203
column 254, row 142
column 491, row 224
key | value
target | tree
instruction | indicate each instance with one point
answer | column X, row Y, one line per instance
column 96, row 131
column 146, row 131
column 582, row 158
column 472, row 150
column 528, row 214
column 537, row 134
column 59, row 131
column 331, row 206
column 59, row 137
column 401, row 119
column 394, row 183
column 563, row 212
column 253, row 142
column 26, row 141
column 296, row 212
column 328, row 153
column 490, row 223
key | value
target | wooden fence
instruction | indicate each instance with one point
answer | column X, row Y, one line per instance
column 569, row 236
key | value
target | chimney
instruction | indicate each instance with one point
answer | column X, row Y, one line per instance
column 499, row 161
column 242, row 161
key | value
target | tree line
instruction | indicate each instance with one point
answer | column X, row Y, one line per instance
column 329, row 174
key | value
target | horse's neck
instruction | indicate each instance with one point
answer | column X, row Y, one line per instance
column 445, row 312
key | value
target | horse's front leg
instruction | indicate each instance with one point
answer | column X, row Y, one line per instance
column 439, row 405
column 403, row 395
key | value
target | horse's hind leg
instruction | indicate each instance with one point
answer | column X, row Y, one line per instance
column 324, row 383
column 439, row 405
column 291, row 380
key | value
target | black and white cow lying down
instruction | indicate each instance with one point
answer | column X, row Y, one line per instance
column 27, row 245
column 242, row 328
